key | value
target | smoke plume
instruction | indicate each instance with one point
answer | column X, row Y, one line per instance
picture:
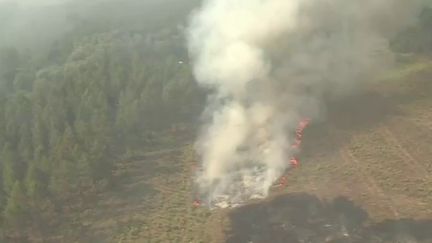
column 270, row 63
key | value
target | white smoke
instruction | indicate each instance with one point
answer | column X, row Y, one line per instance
column 268, row 64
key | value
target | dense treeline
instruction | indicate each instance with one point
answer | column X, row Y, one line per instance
column 66, row 118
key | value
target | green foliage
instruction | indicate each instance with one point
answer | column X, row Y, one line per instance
column 9, row 168
column 71, row 108
column 417, row 38
column 16, row 210
column 36, row 181
column 65, row 124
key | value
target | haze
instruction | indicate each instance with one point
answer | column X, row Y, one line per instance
column 215, row 121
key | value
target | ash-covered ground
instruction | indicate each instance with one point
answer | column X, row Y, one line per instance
column 298, row 217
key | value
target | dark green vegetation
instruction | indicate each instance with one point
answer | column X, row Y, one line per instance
column 96, row 127
column 94, row 97
column 417, row 38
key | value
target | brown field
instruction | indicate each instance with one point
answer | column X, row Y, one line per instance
column 365, row 177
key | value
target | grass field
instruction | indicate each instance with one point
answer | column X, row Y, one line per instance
column 374, row 151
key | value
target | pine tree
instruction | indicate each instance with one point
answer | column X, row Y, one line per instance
column 36, row 182
column 9, row 169
column 65, row 174
column 16, row 210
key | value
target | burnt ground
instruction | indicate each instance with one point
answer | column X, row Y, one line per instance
column 300, row 217
column 365, row 174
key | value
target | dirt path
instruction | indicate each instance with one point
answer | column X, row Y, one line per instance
column 370, row 182
column 408, row 158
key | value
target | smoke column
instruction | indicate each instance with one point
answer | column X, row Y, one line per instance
column 268, row 64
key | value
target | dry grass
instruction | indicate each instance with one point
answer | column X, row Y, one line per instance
column 386, row 165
